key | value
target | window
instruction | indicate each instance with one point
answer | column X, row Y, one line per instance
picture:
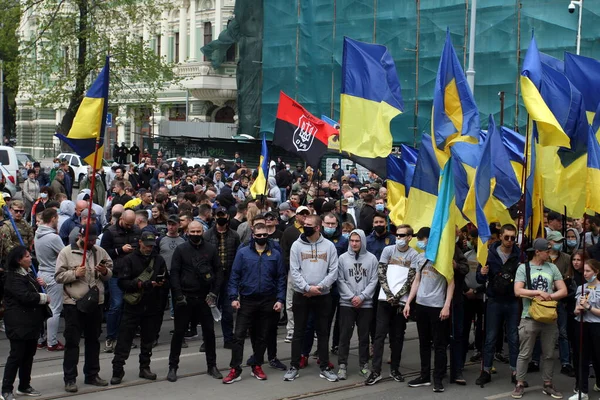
column 158, row 40
column 75, row 161
column 176, row 57
column 207, row 35
column 232, row 50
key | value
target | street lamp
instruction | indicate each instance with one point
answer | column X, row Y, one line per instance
column 572, row 10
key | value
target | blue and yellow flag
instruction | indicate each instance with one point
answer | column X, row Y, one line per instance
column 370, row 98
column 259, row 187
column 442, row 239
column 455, row 117
column 409, row 154
column 584, row 74
column 90, row 121
column 592, row 200
column 399, row 177
column 514, row 144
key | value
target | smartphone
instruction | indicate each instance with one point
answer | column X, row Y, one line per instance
column 160, row 278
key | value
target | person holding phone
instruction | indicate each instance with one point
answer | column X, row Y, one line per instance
column 142, row 279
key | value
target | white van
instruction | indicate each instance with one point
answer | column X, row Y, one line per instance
column 8, row 159
column 80, row 167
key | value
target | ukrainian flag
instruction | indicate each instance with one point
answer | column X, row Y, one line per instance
column 534, row 205
column 514, row 144
column 584, row 74
column 90, row 121
column 399, row 177
column 592, row 200
column 409, row 154
column 259, row 187
column 455, row 117
column 370, row 98
column 442, row 239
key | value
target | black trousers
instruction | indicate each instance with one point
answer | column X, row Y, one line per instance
column 149, row 325
column 373, row 327
column 271, row 334
column 474, row 310
column 432, row 329
column 196, row 310
column 389, row 320
column 302, row 306
column 255, row 314
column 90, row 325
column 590, row 352
column 19, row 359
column 349, row 316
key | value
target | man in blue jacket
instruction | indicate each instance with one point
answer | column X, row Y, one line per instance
column 256, row 289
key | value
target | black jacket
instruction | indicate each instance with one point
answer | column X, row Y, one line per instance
column 495, row 263
column 132, row 266
column 195, row 271
column 284, row 178
column 290, row 235
column 24, row 315
column 113, row 240
column 461, row 270
column 365, row 220
column 232, row 242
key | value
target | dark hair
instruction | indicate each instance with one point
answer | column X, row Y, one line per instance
column 571, row 270
column 48, row 214
column 242, row 206
column 259, row 226
column 160, row 198
column 186, row 215
column 423, row 232
column 142, row 214
column 594, row 220
column 53, row 204
column 553, row 215
column 474, row 233
column 15, row 256
column 508, row 227
column 31, row 171
column 379, row 214
column 191, row 197
column 204, row 209
column 368, row 198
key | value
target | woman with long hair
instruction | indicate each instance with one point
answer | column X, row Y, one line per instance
column 159, row 219
column 573, row 279
column 23, row 319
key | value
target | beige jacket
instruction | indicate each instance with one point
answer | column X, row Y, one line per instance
column 67, row 262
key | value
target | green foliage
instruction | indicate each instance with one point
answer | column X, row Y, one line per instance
column 9, row 51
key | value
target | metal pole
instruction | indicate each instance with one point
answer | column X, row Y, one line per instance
column 187, row 105
column 1, row 103
column 579, row 26
column 471, row 69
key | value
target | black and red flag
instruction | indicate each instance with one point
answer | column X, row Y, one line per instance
column 300, row 132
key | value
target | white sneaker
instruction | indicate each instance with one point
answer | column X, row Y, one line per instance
column 584, row 396
column 289, row 337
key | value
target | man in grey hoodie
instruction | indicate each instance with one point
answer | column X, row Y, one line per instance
column 47, row 245
column 357, row 279
column 314, row 268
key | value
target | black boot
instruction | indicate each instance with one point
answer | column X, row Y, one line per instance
column 117, row 377
column 172, row 375
column 214, row 372
column 147, row 374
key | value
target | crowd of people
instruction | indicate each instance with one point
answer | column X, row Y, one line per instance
column 316, row 254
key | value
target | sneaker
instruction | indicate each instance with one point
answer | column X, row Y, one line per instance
column 568, row 370
column 513, row 380
column 258, row 373
column 533, row 367
column 291, row 374
column 57, row 347
column 484, row 378
column 233, row 376
column 365, row 371
column 303, row 362
column 342, row 372
column 334, row 350
column 396, row 375
column 551, row 391
column 189, row 334
column 518, row 392
column 109, row 346
column 420, row 381
column 71, row 387
column 476, row 357
column 459, row 379
column 31, row 392
column 276, row 364
column 373, row 378
column 42, row 345
column 289, row 337
column 328, row 374
column 501, row 358
column 7, row 396
column 438, row 387
column 584, row 396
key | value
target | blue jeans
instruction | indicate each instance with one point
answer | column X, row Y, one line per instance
column 226, row 314
column 113, row 317
column 563, row 341
column 283, row 192
column 496, row 312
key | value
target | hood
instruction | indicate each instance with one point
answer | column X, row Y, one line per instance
column 67, row 208
column 363, row 242
column 44, row 230
column 272, row 182
column 577, row 236
column 305, row 241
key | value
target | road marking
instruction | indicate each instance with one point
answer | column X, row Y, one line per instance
column 507, row 394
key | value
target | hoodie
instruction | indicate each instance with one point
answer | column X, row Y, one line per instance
column 65, row 212
column 274, row 195
column 313, row 264
column 47, row 246
column 357, row 274
column 570, row 250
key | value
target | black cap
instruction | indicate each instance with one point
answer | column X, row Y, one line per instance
column 220, row 210
column 148, row 238
column 93, row 231
column 173, row 218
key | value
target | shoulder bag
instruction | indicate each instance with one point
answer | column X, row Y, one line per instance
column 543, row 311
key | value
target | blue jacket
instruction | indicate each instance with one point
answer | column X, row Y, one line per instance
column 495, row 264
column 254, row 274
column 376, row 244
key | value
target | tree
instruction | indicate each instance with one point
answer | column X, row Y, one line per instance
column 71, row 41
column 9, row 51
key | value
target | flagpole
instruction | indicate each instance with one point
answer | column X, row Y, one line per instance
column 524, row 189
column 93, row 186
column 580, row 366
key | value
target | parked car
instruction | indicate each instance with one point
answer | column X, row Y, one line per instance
column 189, row 161
column 80, row 167
column 23, row 158
column 7, row 184
column 8, row 159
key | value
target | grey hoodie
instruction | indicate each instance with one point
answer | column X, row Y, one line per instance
column 47, row 245
column 313, row 264
column 577, row 236
column 66, row 211
column 357, row 274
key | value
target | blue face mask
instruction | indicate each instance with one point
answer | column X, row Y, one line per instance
column 571, row 243
column 346, row 235
column 592, row 279
column 379, row 207
column 421, row 245
column 328, row 231
column 557, row 246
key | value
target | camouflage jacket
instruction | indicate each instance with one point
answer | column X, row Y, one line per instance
column 10, row 240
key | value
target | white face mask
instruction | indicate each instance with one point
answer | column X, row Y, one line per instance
column 44, row 195
column 169, row 187
column 400, row 243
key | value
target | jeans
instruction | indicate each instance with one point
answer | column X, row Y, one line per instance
column 289, row 301
column 321, row 306
column 196, row 308
column 76, row 323
column 563, row 339
column 389, row 320
column 149, row 325
column 529, row 330
column 55, row 293
column 362, row 318
column 432, row 329
column 19, row 359
column 256, row 314
column 457, row 354
column 283, row 192
column 497, row 311
column 113, row 318
column 226, row 314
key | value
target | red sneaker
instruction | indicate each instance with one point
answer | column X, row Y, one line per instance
column 234, row 376
column 258, row 373
column 329, row 364
column 57, row 347
column 42, row 345
column 303, row 362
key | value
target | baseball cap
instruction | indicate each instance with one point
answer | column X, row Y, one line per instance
column 220, row 210
column 6, row 195
column 301, row 209
column 273, row 214
column 148, row 238
column 364, row 189
column 173, row 218
column 555, row 236
column 343, row 201
column 285, row 206
column 540, row 244
column 92, row 233
column 84, row 194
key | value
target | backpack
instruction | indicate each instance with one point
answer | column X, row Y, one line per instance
column 502, row 283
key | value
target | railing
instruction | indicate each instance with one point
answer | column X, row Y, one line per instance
column 203, row 68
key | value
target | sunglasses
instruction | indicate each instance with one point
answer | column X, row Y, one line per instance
column 19, row 211
column 510, row 238
column 261, row 235
column 401, row 235
column 270, row 219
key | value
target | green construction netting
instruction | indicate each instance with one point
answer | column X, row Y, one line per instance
column 302, row 50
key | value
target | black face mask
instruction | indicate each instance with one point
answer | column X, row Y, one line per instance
column 222, row 221
column 309, row 231
column 195, row 239
column 261, row 241
column 379, row 229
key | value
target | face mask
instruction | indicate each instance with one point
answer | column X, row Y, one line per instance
column 161, row 180
column 346, row 235
column 309, row 230
column 195, row 239
column 284, row 217
column 351, row 202
column 470, row 245
column 592, row 279
column 169, row 187
column 44, row 195
column 379, row 207
column 261, row 241
column 329, row 231
column 456, row 240
column 379, row 229
column 421, row 245
column 401, row 243
column 571, row 243
column 55, row 165
column 222, row 221
column 557, row 246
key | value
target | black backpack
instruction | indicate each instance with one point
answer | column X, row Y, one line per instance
column 502, row 283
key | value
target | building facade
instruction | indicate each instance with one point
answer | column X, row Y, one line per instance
column 205, row 98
